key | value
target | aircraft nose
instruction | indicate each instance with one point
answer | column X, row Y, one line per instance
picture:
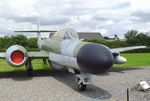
column 94, row 58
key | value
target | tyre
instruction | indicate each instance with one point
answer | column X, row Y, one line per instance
column 81, row 86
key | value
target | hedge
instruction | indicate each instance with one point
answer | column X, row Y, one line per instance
column 117, row 44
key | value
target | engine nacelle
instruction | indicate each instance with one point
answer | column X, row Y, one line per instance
column 119, row 60
column 16, row 55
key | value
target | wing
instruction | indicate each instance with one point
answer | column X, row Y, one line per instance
column 40, row 54
column 2, row 54
column 118, row 50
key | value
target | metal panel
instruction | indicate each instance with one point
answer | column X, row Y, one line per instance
column 64, row 60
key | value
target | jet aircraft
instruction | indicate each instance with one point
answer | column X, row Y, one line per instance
column 65, row 50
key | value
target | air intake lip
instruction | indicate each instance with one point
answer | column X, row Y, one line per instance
column 16, row 56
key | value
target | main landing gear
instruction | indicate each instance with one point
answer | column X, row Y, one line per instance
column 29, row 67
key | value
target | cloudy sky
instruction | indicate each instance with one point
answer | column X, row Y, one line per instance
column 106, row 16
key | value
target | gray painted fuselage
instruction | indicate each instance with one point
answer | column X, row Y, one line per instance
column 65, row 49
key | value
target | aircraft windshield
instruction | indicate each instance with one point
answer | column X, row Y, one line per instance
column 65, row 34
column 71, row 34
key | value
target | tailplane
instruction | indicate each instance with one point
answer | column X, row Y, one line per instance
column 38, row 32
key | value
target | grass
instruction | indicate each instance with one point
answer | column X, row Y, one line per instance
column 134, row 59
column 37, row 66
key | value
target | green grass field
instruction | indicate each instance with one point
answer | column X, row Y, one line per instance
column 37, row 65
column 134, row 59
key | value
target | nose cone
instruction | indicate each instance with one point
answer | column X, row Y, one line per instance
column 94, row 58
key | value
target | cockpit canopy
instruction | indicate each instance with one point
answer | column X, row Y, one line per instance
column 66, row 34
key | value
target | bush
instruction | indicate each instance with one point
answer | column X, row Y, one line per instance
column 109, row 43
column 30, row 44
column 118, row 44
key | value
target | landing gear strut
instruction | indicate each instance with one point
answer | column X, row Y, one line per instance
column 29, row 67
column 83, row 79
column 44, row 61
column 81, row 86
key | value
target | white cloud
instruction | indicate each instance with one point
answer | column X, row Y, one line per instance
column 140, row 5
column 107, row 16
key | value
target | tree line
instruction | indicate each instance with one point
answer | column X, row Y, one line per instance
column 28, row 43
column 132, row 38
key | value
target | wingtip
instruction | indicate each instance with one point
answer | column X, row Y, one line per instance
column 144, row 47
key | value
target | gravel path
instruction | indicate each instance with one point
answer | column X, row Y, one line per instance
column 61, row 86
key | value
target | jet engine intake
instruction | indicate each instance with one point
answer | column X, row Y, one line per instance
column 16, row 55
column 94, row 58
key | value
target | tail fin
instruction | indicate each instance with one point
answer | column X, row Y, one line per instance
column 38, row 33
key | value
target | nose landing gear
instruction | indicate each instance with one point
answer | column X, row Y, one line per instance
column 83, row 79
column 81, row 86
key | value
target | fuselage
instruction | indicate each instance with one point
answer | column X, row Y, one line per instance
column 64, row 49
column 88, row 57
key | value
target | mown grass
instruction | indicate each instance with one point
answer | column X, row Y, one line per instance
column 37, row 66
column 134, row 59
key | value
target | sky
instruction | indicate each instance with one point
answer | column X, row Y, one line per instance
column 109, row 17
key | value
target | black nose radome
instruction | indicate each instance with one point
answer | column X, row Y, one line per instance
column 94, row 58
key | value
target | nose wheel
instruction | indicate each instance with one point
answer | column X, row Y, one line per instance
column 83, row 79
column 81, row 86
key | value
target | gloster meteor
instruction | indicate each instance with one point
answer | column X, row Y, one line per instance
column 65, row 50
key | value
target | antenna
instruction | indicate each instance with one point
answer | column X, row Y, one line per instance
column 38, row 25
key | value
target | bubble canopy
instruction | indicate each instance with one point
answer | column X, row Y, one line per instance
column 66, row 34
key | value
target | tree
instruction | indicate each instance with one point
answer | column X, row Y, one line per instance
column 134, row 37
column 4, row 43
column 32, row 44
column 19, row 40
column 131, row 34
column 142, row 39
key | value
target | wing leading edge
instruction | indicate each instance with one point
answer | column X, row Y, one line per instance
column 2, row 54
column 123, row 49
column 40, row 54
